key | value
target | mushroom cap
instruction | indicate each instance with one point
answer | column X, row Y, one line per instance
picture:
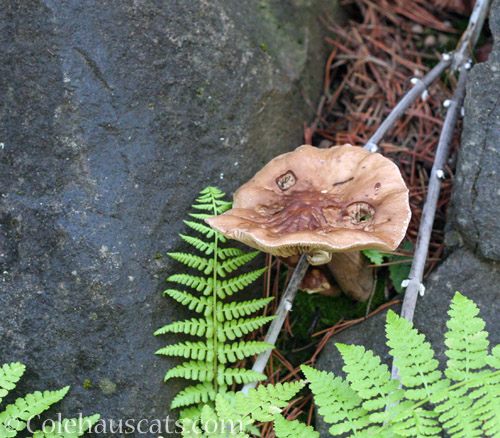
column 319, row 201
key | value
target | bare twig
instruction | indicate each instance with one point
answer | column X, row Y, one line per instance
column 470, row 36
column 467, row 42
column 414, row 284
column 436, row 177
column 421, row 86
column 284, row 307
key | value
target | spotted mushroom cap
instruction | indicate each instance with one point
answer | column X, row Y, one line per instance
column 319, row 201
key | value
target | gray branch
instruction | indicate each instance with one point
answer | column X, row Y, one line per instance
column 284, row 307
column 470, row 36
column 427, row 220
column 421, row 85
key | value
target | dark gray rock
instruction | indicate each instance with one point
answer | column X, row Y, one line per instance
column 476, row 192
column 113, row 116
column 458, row 273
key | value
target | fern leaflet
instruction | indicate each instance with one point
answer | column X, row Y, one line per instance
column 240, row 309
column 240, row 350
column 234, row 414
column 9, row 376
column 292, row 429
column 15, row 417
column 198, row 304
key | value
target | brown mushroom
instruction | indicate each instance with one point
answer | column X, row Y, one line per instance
column 319, row 201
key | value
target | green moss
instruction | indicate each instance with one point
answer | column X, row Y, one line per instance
column 158, row 255
column 87, row 384
column 107, row 386
column 263, row 46
column 313, row 313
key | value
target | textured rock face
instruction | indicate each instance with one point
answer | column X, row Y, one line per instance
column 113, row 116
column 473, row 234
column 476, row 192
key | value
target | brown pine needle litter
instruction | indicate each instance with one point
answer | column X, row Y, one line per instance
column 375, row 58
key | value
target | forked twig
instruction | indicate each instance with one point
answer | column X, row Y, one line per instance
column 414, row 283
column 420, row 87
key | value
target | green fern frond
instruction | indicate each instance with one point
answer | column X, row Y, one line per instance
column 292, row 429
column 276, row 395
column 208, row 358
column 369, row 378
column 198, row 304
column 9, row 376
column 203, row 229
column 200, row 284
column 421, row 423
column 67, row 428
column 339, row 404
column 193, row 370
column 193, row 326
column 222, row 253
column 237, row 328
column 207, row 265
column 234, row 423
column 237, row 375
column 228, row 287
column 190, row 350
column 241, row 309
column 211, row 422
column 234, row 263
column 200, row 216
column 465, row 402
column 201, row 263
column 264, row 402
column 209, row 248
column 223, row 203
column 210, row 192
column 201, row 393
column 202, row 207
column 413, row 357
column 456, row 414
column 487, row 397
column 206, row 247
column 15, row 415
column 233, row 414
column 239, row 350
column 466, row 340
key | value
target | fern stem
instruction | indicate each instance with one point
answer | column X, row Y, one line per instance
column 214, row 301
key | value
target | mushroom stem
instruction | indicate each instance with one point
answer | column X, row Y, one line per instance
column 317, row 281
column 284, row 307
column 351, row 272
